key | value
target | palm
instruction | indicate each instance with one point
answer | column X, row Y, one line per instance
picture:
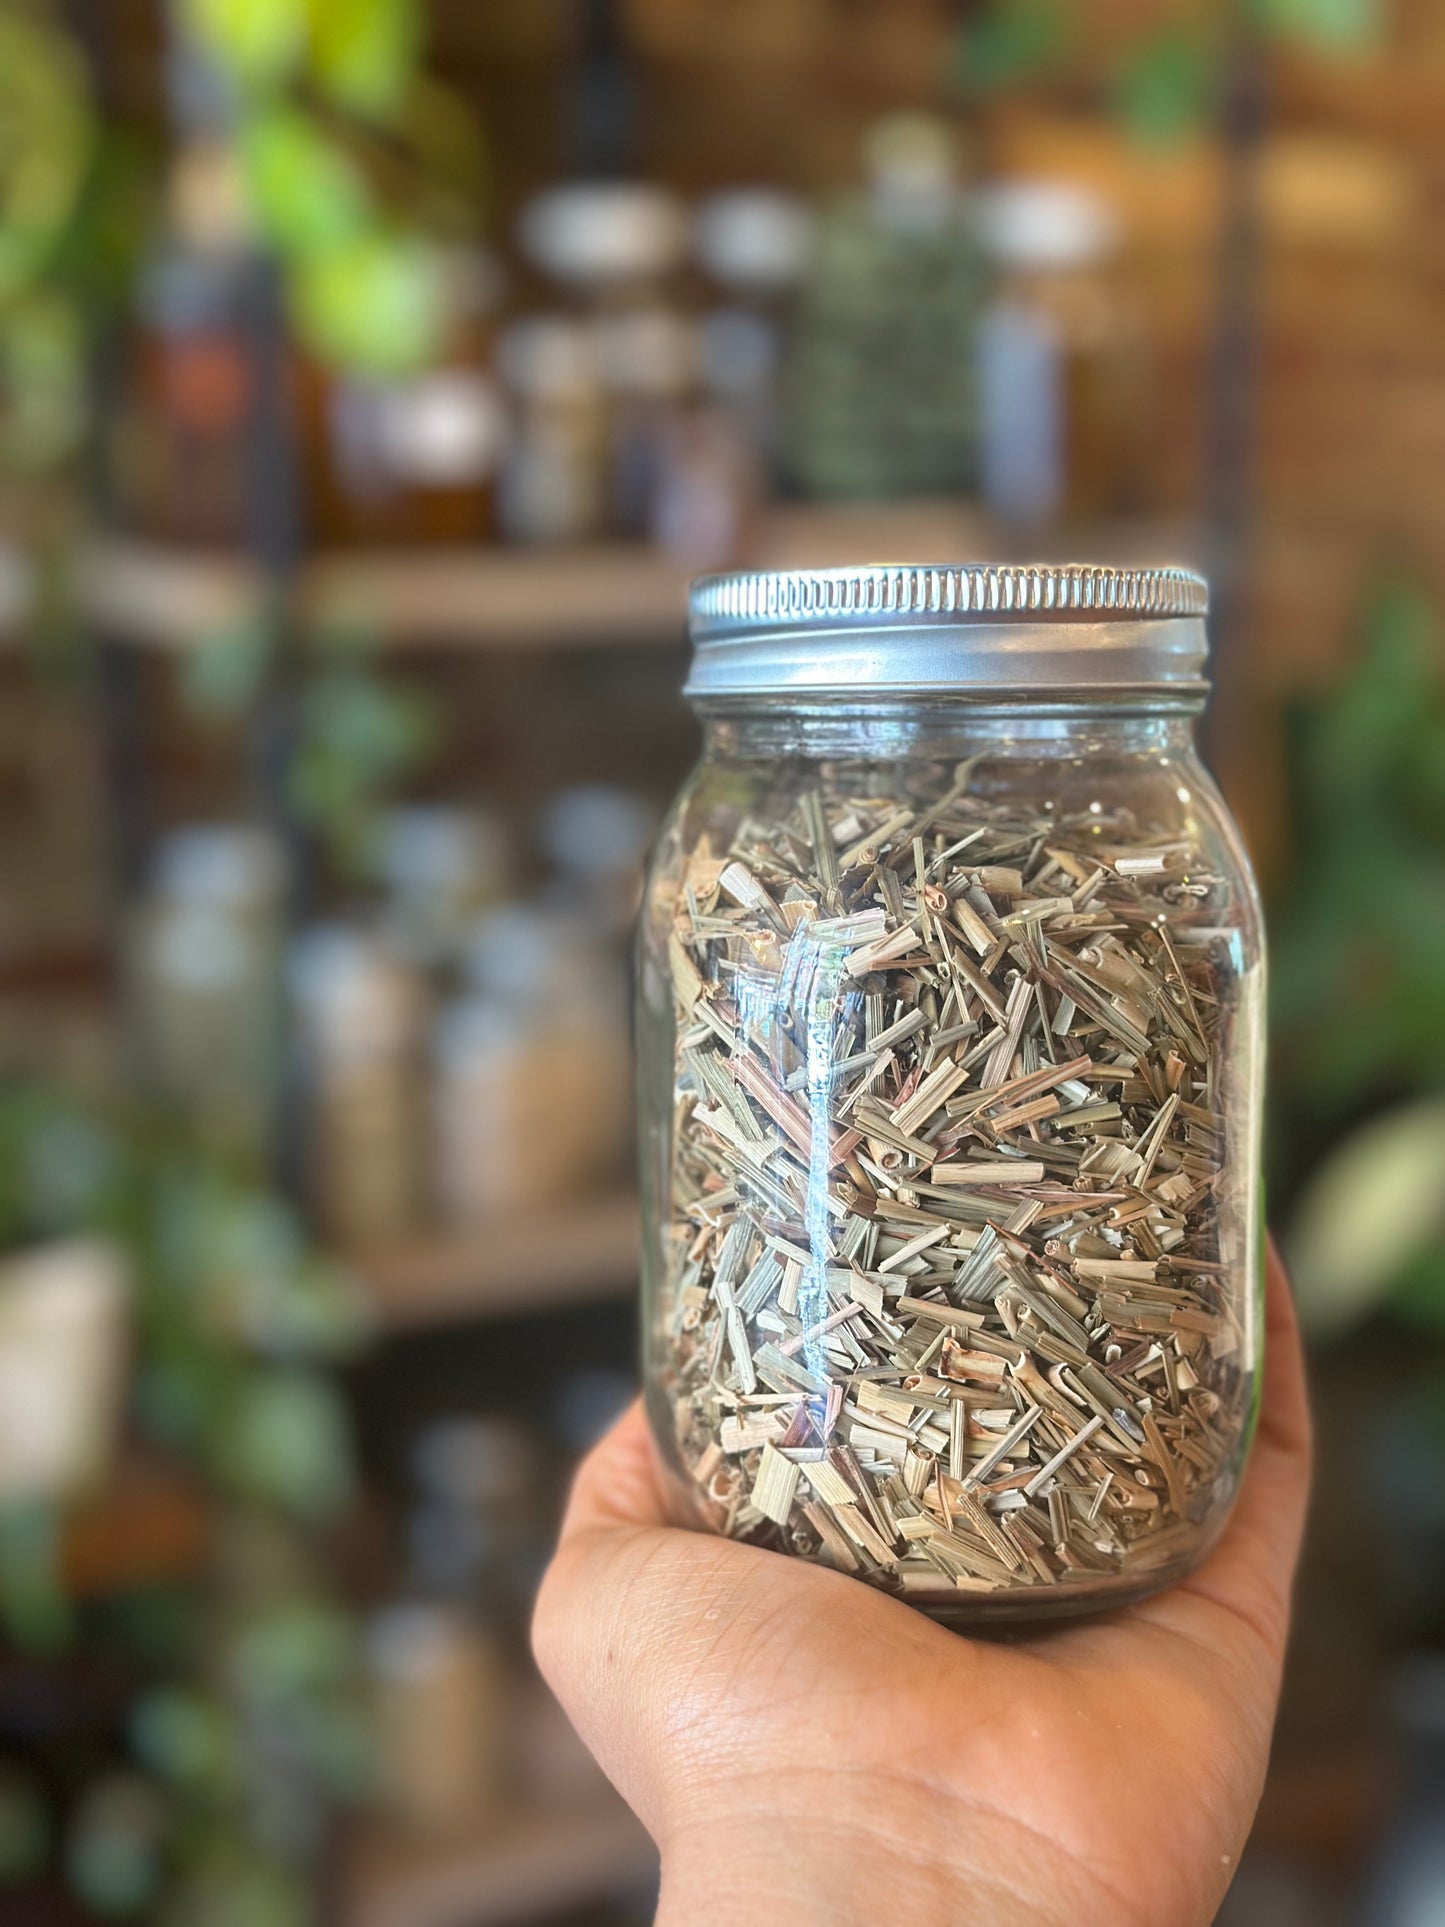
column 1104, row 1770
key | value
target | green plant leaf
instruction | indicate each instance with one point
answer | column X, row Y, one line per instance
column 185, row 1738
column 374, row 305
column 1011, row 43
column 1167, row 87
column 286, row 1443
column 25, row 1825
column 115, row 1847
column 1371, row 1208
column 364, row 52
column 308, row 194
column 35, row 1611
column 42, row 382
column 223, row 676
column 1330, row 26
column 46, row 138
column 1419, row 1294
column 260, row 41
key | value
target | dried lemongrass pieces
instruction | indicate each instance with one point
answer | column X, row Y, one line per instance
column 953, row 1292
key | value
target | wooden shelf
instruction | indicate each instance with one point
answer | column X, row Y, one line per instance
column 511, row 598
column 603, row 595
column 538, row 1259
column 483, row 598
column 521, row 1866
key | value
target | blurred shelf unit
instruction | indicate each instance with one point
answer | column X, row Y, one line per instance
column 523, row 1866
column 174, row 601
column 530, row 1262
column 606, row 594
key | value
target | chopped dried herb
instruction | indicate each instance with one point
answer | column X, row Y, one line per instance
column 954, row 1282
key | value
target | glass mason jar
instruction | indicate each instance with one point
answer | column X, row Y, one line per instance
column 950, row 1040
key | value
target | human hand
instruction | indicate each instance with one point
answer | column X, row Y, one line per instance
column 804, row 1748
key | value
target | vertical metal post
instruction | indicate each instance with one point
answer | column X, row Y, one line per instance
column 1234, row 365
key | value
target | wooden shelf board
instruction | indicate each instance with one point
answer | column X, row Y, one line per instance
column 496, row 598
column 536, row 1259
column 602, row 595
column 521, row 1866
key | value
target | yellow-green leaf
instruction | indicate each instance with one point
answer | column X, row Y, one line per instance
column 307, row 193
column 1373, row 1204
column 260, row 41
column 374, row 305
column 364, row 52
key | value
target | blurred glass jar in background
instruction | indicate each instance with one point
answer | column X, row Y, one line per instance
column 415, row 460
column 595, row 837
column 443, row 1656
column 723, row 448
column 1062, row 358
column 880, row 383
column 530, row 1068
column 614, row 248
column 554, row 471
column 440, row 865
column 361, row 1018
column 478, row 1530
column 204, row 982
column 753, row 245
column 441, row 1707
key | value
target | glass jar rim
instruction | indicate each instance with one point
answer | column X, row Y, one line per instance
column 979, row 628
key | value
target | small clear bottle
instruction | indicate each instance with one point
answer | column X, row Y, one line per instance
column 413, row 460
column 361, row 1011
column 529, row 1086
column 880, row 384
column 205, row 982
column 1062, row 362
column 950, row 1032
column 613, row 247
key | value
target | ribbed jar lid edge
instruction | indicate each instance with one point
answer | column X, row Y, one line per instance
column 960, row 591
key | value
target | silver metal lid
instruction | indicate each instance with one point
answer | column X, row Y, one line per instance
column 973, row 628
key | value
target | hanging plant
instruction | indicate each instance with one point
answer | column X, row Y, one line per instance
column 341, row 170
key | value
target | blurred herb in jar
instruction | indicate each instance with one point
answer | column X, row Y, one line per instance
column 880, row 388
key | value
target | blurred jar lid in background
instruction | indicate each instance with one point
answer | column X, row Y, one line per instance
column 220, row 867
column 596, row 830
column 431, row 850
column 753, row 239
column 1045, row 224
column 354, row 997
column 521, row 957
column 547, row 357
column 596, row 234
